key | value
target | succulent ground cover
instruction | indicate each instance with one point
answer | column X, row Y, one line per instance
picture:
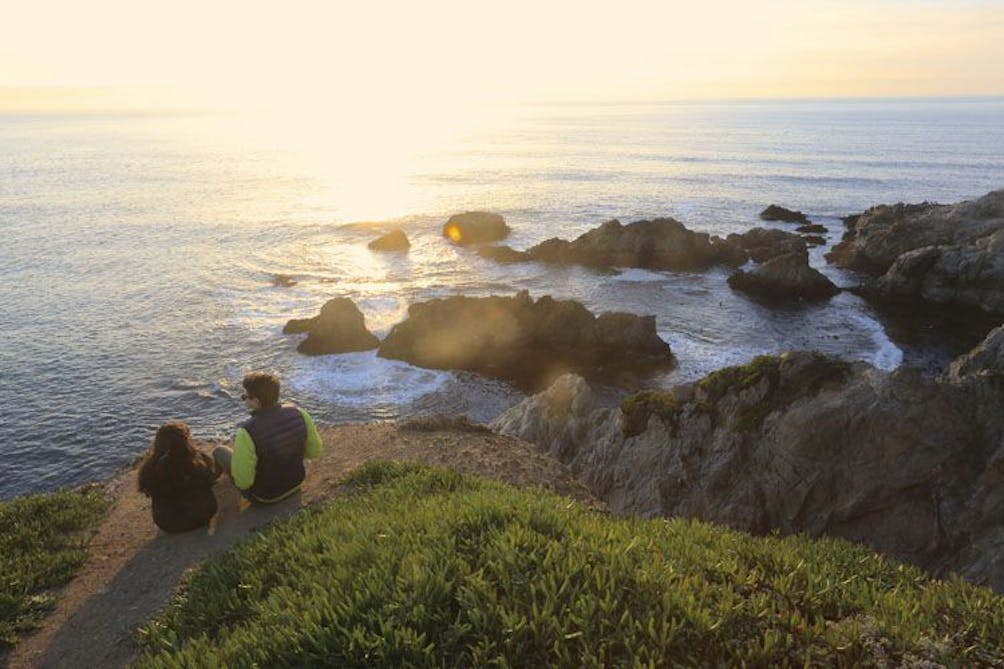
column 415, row 566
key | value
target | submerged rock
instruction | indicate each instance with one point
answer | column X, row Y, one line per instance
column 503, row 254
column 661, row 244
column 776, row 213
column 283, row 281
column 811, row 228
column 765, row 243
column 340, row 328
column 475, row 227
column 527, row 341
column 787, row 277
column 394, row 240
column 912, row 467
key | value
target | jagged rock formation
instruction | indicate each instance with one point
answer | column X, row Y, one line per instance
column 475, row 227
column 948, row 254
column 527, row 341
column 395, row 240
column 786, row 277
column 913, row 467
column 340, row 328
column 985, row 359
column 765, row 243
column 662, row 244
column 776, row 213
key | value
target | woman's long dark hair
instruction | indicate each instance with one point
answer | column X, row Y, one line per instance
column 172, row 456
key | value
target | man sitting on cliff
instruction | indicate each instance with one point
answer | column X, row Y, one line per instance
column 266, row 463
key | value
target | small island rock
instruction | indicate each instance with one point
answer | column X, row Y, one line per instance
column 776, row 213
column 475, row 227
column 394, row 240
column 787, row 277
column 340, row 328
column 765, row 243
column 526, row 341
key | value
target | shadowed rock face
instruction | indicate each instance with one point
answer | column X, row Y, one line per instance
column 912, row 467
column 663, row 243
column 785, row 278
column 475, row 227
column 776, row 213
column 526, row 341
column 763, row 244
column 947, row 254
column 394, row 240
column 340, row 328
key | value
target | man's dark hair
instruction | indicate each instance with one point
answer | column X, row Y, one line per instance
column 262, row 386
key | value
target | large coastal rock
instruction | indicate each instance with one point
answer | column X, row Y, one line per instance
column 777, row 213
column 947, row 254
column 987, row 359
column 913, row 467
column 475, row 227
column 762, row 244
column 340, row 328
column 967, row 274
column 527, row 341
column 395, row 240
column 785, row 278
column 661, row 244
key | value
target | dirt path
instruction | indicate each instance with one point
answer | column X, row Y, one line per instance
column 133, row 568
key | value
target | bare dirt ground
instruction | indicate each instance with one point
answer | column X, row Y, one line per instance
column 133, row 568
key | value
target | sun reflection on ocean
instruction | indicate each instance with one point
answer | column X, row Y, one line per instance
column 361, row 161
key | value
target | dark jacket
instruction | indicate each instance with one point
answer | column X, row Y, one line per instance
column 187, row 503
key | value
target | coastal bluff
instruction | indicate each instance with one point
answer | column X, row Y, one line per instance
column 908, row 465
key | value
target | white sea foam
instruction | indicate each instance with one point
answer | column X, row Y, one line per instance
column 362, row 379
column 636, row 275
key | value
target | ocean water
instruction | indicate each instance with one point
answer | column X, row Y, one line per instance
column 137, row 249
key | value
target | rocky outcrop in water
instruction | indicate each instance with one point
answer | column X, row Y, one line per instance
column 395, row 240
column 785, row 278
column 762, row 244
column 661, row 244
column 776, row 213
column 283, row 281
column 526, row 341
column 947, row 254
column 475, row 227
column 340, row 328
column 913, row 467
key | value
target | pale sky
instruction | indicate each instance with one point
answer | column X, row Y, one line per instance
column 426, row 52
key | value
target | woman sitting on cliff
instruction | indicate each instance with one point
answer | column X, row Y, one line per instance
column 178, row 477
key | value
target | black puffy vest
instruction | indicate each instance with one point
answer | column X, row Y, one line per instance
column 280, row 438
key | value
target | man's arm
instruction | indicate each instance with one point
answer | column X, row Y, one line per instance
column 242, row 465
column 313, row 445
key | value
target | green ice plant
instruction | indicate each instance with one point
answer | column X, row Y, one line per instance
column 429, row 568
column 42, row 544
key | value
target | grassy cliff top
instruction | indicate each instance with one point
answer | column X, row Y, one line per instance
column 427, row 567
